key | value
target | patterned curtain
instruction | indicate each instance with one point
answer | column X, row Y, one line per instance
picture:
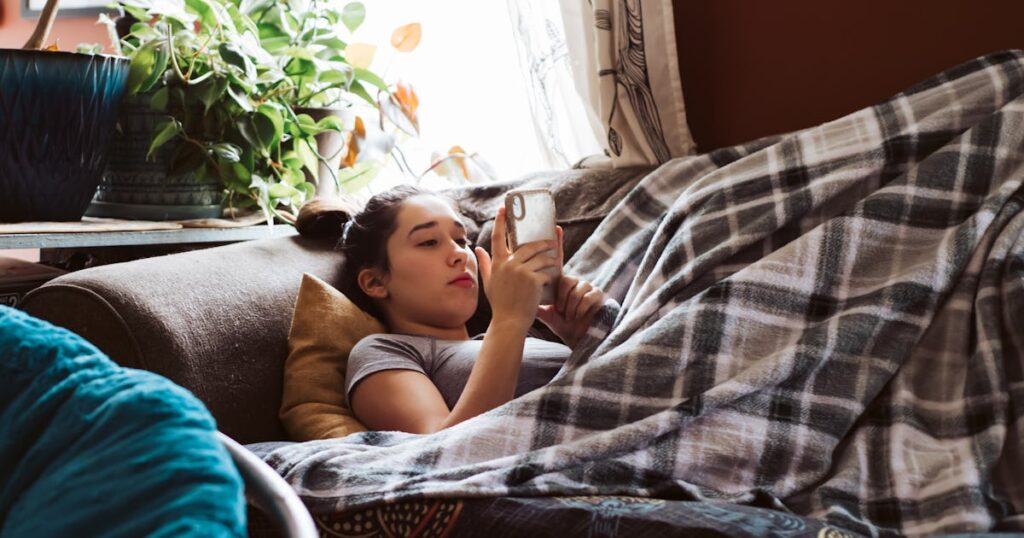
column 566, row 127
column 604, row 76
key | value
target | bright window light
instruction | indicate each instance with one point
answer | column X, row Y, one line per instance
column 471, row 89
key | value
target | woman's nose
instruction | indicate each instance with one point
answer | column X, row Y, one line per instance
column 457, row 254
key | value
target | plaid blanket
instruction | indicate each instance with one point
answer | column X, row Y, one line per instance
column 828, row 323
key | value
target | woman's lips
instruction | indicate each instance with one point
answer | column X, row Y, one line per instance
column 462, row 282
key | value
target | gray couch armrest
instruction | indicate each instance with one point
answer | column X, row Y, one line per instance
column 214, row 321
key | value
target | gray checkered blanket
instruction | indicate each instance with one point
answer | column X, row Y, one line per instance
column 829, row 322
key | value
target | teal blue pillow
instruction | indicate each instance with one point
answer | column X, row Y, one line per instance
column 88, row 448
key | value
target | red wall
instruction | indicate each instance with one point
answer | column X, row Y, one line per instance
column 14, row 30
column 753, row 68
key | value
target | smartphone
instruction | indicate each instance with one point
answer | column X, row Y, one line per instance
column 530, row 216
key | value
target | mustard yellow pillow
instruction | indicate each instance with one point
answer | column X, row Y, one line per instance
column 325, row 327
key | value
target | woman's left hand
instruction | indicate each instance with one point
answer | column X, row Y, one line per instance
column 576, row 303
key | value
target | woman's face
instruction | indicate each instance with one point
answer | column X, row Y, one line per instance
column 432, row 270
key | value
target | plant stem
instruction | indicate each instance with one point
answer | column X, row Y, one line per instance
column 447, row 158
column 202, row 48
column 404, row 164
column 304, row 100
column 42, row 30
column 174, row 57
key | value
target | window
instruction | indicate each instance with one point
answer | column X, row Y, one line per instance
column 468, row 78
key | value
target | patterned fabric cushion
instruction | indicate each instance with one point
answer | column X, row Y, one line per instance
column 510, row 517
column 90, row 448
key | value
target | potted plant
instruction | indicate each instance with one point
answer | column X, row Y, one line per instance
column 226, row 83
column 331, row 77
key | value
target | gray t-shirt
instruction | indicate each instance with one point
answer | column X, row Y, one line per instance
column 447, row 363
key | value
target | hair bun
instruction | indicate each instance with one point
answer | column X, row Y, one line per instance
column 322, row 218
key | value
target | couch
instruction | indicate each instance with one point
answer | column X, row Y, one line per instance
column 216, row 321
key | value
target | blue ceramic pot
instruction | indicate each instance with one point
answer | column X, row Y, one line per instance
column 57, row 113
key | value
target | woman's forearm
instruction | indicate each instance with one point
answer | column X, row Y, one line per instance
column 492, row 381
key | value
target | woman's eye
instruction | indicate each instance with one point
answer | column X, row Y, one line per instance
column 431, row 242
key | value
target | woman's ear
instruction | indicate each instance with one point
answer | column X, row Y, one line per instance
column 372, row 283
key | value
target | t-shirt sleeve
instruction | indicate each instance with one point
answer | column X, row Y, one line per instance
column 380, row 352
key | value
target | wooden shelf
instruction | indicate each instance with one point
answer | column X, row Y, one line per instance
column 154, row 237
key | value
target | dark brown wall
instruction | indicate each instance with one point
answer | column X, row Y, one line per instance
column 752, row 68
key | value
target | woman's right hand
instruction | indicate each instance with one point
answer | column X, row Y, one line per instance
column 513, row 282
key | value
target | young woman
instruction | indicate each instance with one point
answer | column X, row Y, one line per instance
column 409, row 263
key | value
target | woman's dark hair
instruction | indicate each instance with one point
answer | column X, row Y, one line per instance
column 365, row 241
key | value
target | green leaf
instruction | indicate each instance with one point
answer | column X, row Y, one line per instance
column 239, row 178
column 138, row 13
column 175, row 11
column 242, row 21
column 276, row 123
column 158, row 102
column 247, row 127
column 308, row 190
column 353, row 15
column 332, row 43
column 276, row 43
column 141, row 66
column 337, row 76
column 249, row 159
column 187, row 159
column 281, row 190
column 291, row 159
column 266, row 29
column 331, row 56
column 89, row 48
column 293, row 176
column 358, row 89
column 356, row 178
column 298, row 52
column 331, row 123
column 227, row 151
column 158, row 68
column 205, row 11
column 210, row 91
column 305, row 121
column 264, row 130
column 166, row 130
column 232, row 55
column 306, row 148
column 240, row 98
column 368, row 76
column 300, row 67
column 143, row 31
